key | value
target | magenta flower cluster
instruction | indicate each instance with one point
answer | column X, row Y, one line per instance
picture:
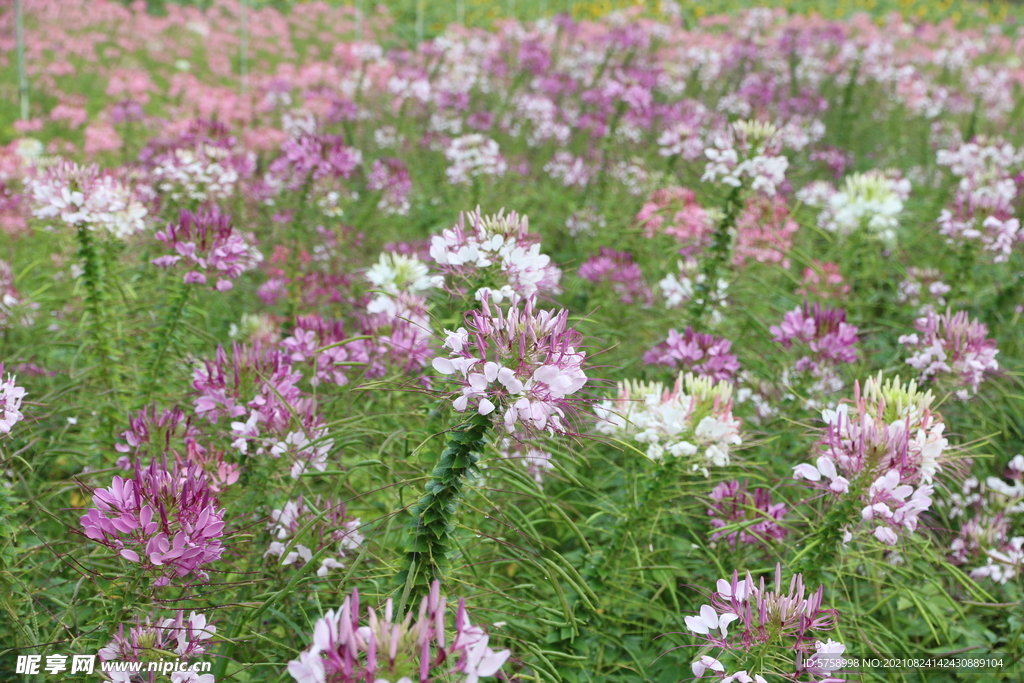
column 415, row 648
column 702, row 354
column 208, row 244
column 821, row 333
column 746, row 516
column 618, row 269
column 151, row 640
column 167, row 521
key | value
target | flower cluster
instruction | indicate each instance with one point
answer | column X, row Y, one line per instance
column 534, row 459
column 678, row 289
column 308, row 158
column 623, row 273
column 522, row 364
column 953, row 351
column 167, row 521
column 870, row 203
column 201, row 173
column 921, row 287
column 330, row 525
column 693, row 419
column 149, row 641
column 821, row 334
column 761, row 617
column 472, row 156
column 10, row 398
column 674, row 211
column 747, row 151
column 883, row 451
column 764, row 232
column 823, row 281
column 749, row 517
column 992, row 512
column 496, row 256
column 702, row 354
column 85, row 197
column 390, row 177
column 386, row 650
column 982, row 208
column 208, row 244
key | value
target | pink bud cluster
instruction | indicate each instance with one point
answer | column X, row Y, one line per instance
column 495, row 256
column 523, row 363
column 745, row 516
column 764, row 232
column 702, row 354
column 952, row 351
column 762, row 616
column 623, row 274
column 884, row 448
column 413, row 649
column 334, row 527
column 208, row 245
column 674, row 211
column 146, row 642
column 167, row 521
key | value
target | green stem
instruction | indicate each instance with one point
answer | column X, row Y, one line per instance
column 434, row 514
column 95, row 299
column 164, row 337
column 720, row 252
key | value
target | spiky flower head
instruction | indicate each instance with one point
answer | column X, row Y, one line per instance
column 208, row 244
column 494, row 256
column 86, row 197
column 385, row 649
column 691, row 420
column 745, row 617
column 167, row 521
column 523, row 364
column 952, row 351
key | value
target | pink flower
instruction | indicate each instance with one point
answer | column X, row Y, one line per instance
column 702, row 354
column 952, row 351
column 207, row 243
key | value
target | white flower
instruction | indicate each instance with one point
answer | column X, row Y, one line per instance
column 709, row 620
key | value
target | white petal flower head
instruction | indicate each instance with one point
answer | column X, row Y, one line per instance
column 707, row 663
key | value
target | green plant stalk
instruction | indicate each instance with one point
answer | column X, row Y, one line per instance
column 93, row 275
column 720, row 252
column 434, row 514
column 164, row 337
column 822, row 546
column 652, row 489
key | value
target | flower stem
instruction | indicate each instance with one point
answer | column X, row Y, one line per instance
column 95, row 300
column 719, row 253
column 164, row 337
column 434, row 514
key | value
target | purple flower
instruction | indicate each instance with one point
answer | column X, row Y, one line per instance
column 822, row 333
column 310, row 157
column 207, row 244
column 524, row 364
column 734, row 505
column 703, row 354
column 744, row 615
column 165, row 520
column 618, row 269
column 343, row 651
column 953, row 351
column 146, row 642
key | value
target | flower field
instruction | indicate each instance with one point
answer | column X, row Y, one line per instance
column 612, row 345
